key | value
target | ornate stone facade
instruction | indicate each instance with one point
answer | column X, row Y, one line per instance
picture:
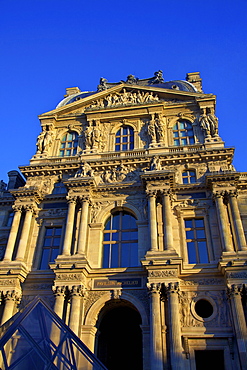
column 132, row 210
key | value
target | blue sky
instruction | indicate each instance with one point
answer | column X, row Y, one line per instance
column 49, row 45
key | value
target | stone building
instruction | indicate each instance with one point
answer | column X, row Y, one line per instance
column 131, row 224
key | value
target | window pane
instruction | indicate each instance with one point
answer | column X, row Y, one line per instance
column 188, row 223
column 181, row 125
column 54, row 255
column 115, row 222
column 190, row 234
column 106, row 237
column 185, row 180
column 58, row 231
column 183, row 141
column 126, row 235
column 45, row 259
column 200, row 234
column 115, row 255
column 115, row 236
column 199, row 223
column 56, row 242
column 134, row 235
column 134, row 255
column 108, row 224
column 191, row 252
column 106, row 254
column 192, row 141
column 47, row 242
column 125, row 256
column 175, row 134
column 203, row 254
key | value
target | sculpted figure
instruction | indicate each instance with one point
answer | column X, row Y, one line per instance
column 131, row 79
column 159, row 129
column 203, row 120
column 40, row 142
column 47, row 140
column 158, row 77
column 155, row 164
column 151, row 131
column 102, row 84
column 107, row 177
column 84, row 170
column 88, row 137
column 3, row 185
column 213, row 123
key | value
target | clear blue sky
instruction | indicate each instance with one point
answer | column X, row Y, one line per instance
column 49, row 45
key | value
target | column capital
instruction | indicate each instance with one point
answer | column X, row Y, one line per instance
column 165, row 192
column 77, row 291
column 84, row 198
column 154, row 288
column 11, row 295
column 71, row 199
column 234, row 290
column 232, row 193
column 218, row 194
column 151, row 193
column 59, row 291
column 17, row 207
column 172, row 287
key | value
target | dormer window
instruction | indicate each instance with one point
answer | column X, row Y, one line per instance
column 124, row 139
column 183, row 133
column 69, row 144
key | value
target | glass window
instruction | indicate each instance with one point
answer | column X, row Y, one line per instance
column 124, row 139
column 189, row 177
column 183, row 133
column 120, row 244
column 196, row 240
column 69, row 144
column 51, row 246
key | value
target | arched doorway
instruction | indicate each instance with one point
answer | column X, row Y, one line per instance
column 120, row 337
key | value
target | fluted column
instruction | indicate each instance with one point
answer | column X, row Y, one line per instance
column 237, row 222
column 75, row 309
column 21, row 251
column 11, row 298
column 156, row 356
column 152, row 220
column 176, row 349
column 82, row 237
column 234, row 292
column 13, row 233
column 69, row 226
column 167, row 221
column 59, row 293
column 223, row 223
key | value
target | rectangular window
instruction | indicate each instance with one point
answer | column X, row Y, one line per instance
column 196, row 240
column 51, row 246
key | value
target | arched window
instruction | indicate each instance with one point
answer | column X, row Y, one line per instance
column 124, row 138
column 69, row 144
column 120, row 244
column 189, row 177
column 183, row 133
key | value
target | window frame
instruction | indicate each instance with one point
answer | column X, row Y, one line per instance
column 51, row 247
column 120, row 135
column 69, row 145
column 188, row 176
column 196, row 240
column 125, row 248
column 177, row 133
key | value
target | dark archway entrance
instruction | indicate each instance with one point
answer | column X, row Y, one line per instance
column 120, row 338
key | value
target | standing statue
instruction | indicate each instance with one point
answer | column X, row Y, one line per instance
column 203, row 120
column 44, row 141
column 131, row 80
column 213, row 123
column 159, row 129
column 158, row 77
column 151, row 131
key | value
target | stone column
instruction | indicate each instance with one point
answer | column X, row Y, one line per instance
column 13, row 233
column 11, row 298
column 59, row 293
column 167, row 221
column 82, row 237
column 234, row 292
column 223, row 223
column 75, row 309
column 21, row 251
column 176, row 349
column 152, row 220
column 69, row 226
column 156, row 355
column 237, row 222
